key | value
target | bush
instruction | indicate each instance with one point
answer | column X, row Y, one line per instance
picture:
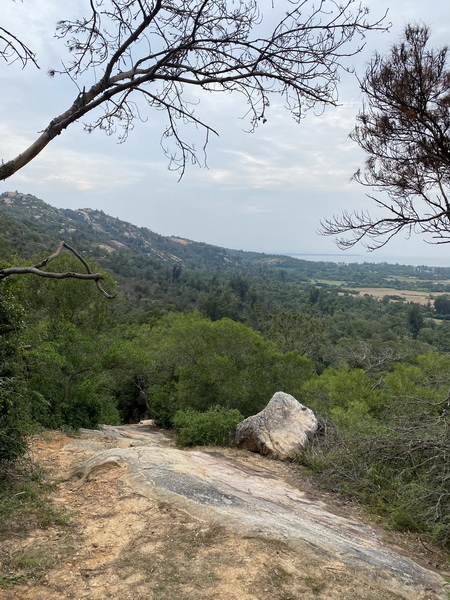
column 14, row 419
column 391, row 453
column 403, row 478
column 14, row 405
column 215, row 427
column 195, row 363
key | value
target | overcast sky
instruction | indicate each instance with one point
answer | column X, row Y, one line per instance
column 265, row 191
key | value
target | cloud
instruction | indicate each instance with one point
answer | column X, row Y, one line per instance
column 280, row 170
column 266, row 190
column 83, row 171
column 78, row 170
column 284, row 155
column 254, row 209
column 67, row 160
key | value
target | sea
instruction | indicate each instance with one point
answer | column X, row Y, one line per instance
column 345, row 258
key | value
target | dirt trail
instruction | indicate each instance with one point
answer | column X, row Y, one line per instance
column 150, row 522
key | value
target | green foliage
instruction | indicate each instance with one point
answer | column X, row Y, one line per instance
column 15, row 421
column 70, row 300
column 442, row 304
column 66, row 375
column 415, row 319
column 129, row 366
column 197, row 363
column 215, row 427
column 298, row 331
column 389, row 447
column 51, row 346
column 339, row 390
column 14, row 407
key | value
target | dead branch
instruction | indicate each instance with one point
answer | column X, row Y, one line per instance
column 37, row 269
column 404, row 129
column 13, row 49
column 157, row 51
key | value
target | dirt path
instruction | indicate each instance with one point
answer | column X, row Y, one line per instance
column 150, row 522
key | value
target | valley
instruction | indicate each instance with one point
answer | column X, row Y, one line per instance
column 199, row 337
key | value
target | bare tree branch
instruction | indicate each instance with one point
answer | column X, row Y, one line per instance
column 404, row 128
column 13, row 49
column 37, row 269
column 158, row 49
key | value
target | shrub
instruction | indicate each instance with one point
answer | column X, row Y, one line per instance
column 195, row 363
column 14, row 406
column 403, row 478
column 214, row 427
column 392, row 454
column 14, row 419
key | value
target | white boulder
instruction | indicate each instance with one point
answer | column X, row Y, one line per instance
column 280, row 430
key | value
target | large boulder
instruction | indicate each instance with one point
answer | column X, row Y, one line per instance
column 280, row 431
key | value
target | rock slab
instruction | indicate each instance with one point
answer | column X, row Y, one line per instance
column 236, row 492
column 280, row 430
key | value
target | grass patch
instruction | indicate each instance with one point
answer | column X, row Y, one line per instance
column 30, row 563
column 332, row 282
column 316, row 586
column 283, row 585
column 24, row 500
column 278, row 576
column 25, row 506
column 183, row 567
column 283, row 579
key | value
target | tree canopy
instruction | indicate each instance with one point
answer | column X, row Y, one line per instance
column 404, row 128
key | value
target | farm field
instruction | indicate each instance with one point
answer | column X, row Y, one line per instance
column 406, row 295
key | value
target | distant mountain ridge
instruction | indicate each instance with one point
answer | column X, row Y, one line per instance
column 31, row 227
column 99, row 235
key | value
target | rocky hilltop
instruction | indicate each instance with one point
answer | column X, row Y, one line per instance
column 32, row 225
column 149, row 521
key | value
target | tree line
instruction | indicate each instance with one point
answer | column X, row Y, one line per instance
column 379, row 386
column 71, row 358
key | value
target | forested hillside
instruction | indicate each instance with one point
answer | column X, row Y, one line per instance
column 201, row 330
column 31, row 226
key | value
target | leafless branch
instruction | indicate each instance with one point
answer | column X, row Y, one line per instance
column 404, row 128
column 37, row 269
column 13, row 49
column 158, row 50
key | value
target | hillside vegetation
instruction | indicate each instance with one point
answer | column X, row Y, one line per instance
column 200, row 329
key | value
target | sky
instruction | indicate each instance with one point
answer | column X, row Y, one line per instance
column 265, row 191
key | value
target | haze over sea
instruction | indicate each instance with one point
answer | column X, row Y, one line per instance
column 443, row 261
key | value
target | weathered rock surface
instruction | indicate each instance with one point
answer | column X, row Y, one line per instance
column 227, row 490
column 280, row 430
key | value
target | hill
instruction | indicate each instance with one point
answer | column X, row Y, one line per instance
column 163, row 273
column 33, row 225
column 30, row 226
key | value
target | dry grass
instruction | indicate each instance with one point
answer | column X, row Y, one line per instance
column 407, row 295
column 26, row 507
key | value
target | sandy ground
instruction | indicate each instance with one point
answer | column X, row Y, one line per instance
column 124, row 545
